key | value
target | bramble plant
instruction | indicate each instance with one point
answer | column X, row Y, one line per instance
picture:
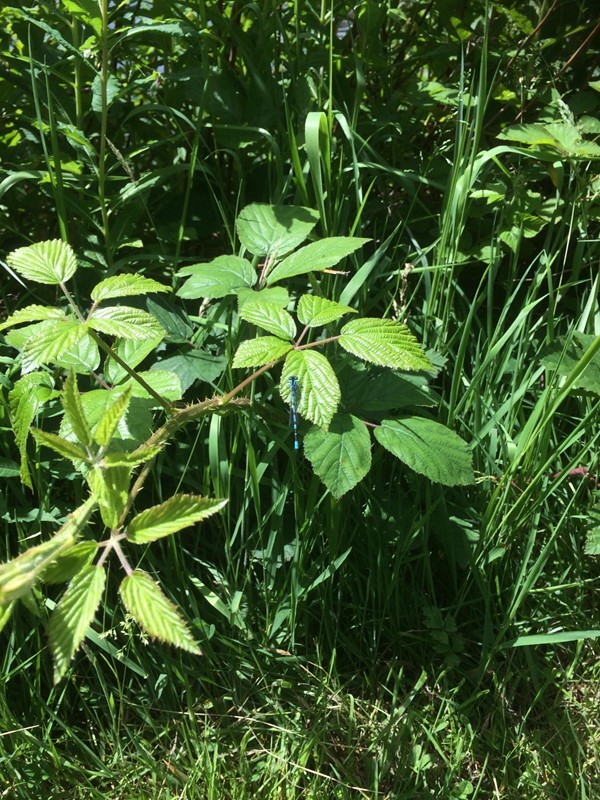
column 341, row 377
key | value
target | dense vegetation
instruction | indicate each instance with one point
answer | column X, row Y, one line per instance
column 424, row 627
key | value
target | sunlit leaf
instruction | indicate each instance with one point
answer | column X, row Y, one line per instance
column 44, row 262
column 428, row 448
column 340, row 456
column 178, row 512
column 154, row 613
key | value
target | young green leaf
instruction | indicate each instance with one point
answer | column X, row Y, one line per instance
column 166, row 384
column 428, row 448
column 61, row 446
column 314, row 311
column 270, row 229
column 32, row 314
column 222, row 276
column 125, row 285
column 260, row 351
column 384, row 342
column 131, row 459
column 50, row 262
column 319, row 388
column 341, row 456
column 52, row 340
column 28, row 395
column 268, row 316
column 73, row 615
column 124, row 322
column 154, row 613
column 315, row 257
column 110, row 419
column 178, row 512
column 109, row 487
column 74, row 412
column 87, row 11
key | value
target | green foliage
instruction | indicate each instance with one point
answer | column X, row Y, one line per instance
column 396, row 205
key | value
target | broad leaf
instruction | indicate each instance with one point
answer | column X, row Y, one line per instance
column 314, row 311
column 260, row 351
column 222, row 276
column 166, row 384
column 125, row 323
column 319, row 392
column 73, row 615
column 27, row 397
column 268, row 316
column 74, row 412
column 384, row 342
column 315, row 257
column 50, row 262
column 274, row 230
column 178, row 512
column 132, row 353
column 32, row 314
column 191, row 366
column 341, row 456
column 125, row 285
column 154, row 613
column 428, row 448
column 83, row 356
column 52, row 341
column 134, row 427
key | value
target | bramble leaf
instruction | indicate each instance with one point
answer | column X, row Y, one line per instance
column 125, row 285
column 74, row 412
column 28, row 395
column 260, row 351
column 73, row 615
column 319, row 390
column 341, row 456
column 61, row 446
column 125, row 322
column 52, row 340
column 50, row 262
column 268, row 316
column 32, row 314
column 315, row 257
column 274, row 230
column 220, row 277
column 154, row 613
column 314, row 311
column 384, row 342
column 428, row 448
column 178, row 512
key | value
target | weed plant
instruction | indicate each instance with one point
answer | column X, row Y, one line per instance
column 409, row 640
